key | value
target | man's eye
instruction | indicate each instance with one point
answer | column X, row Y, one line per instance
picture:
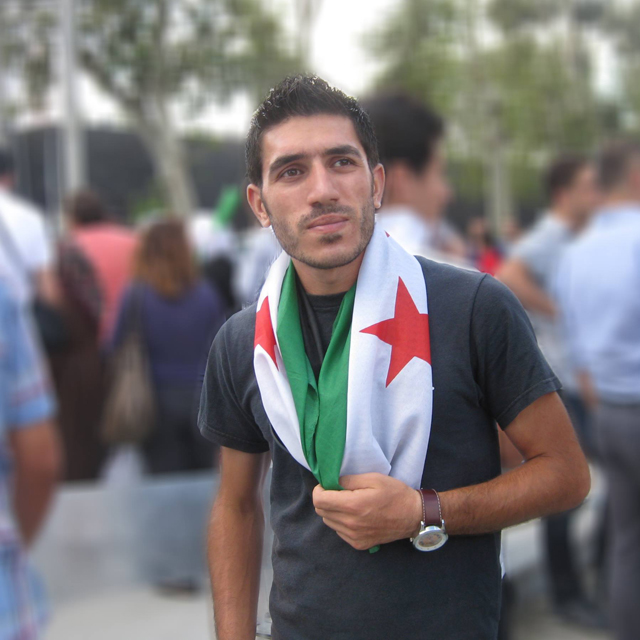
column 344, row 162
column 290, row 173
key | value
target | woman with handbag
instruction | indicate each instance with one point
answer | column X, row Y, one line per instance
column 166, row 323
column 176, row 315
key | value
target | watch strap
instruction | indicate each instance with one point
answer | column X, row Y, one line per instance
column 431, row 510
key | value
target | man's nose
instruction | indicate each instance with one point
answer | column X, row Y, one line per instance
column 322, row 186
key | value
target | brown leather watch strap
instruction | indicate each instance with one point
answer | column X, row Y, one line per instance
column 431, row 509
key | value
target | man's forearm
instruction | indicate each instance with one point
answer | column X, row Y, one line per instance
column 534, row 489
column 31, row 500
column 235, row 554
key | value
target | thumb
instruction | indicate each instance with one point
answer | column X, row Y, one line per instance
column 359, row 481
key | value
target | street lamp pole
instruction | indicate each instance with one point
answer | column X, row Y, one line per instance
column 74, row 175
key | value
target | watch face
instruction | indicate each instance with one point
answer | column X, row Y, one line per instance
column 430, row 539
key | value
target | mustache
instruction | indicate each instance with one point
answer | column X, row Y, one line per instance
column 323, row 210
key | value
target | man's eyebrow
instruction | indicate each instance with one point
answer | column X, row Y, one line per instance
column 280, row 162
column 343, row 150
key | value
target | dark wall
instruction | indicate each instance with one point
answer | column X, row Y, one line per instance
column 119, row 167
column 121, row 171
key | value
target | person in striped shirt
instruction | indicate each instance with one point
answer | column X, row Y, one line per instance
column 30, row 463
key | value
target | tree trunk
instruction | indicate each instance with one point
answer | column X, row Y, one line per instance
column 168, row 157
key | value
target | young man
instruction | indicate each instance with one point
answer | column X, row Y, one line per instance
column 410, row 139
column 349, row 378
column 530, row 272
column 598, row 285
column 30, row 465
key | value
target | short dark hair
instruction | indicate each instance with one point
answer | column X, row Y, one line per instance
column 305, row 96
column 561, row 173
column 7, row 165
column 85, row 208
column 407, row 129
column 613, row 162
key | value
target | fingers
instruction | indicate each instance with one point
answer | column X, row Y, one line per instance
column 361, row 481
column 338, row 501
column 358, row 545
column 348, row 535
column 338, row 526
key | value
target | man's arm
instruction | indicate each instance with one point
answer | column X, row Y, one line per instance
column 376, row 509
column 235, row 543
column 37, row 468
column 515, row 274
column 554, row 477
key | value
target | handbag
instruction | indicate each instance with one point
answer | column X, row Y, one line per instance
column 130, row 408
column 51, row 325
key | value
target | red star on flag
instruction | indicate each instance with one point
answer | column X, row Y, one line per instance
column 407, row 333
column 264, row 336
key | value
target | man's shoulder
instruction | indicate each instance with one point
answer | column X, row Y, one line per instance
column 237, row 333
column 454, row 280
column 15, row 206
column 541, row 236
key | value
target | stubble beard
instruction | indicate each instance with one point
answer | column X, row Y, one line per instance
column 290, row 240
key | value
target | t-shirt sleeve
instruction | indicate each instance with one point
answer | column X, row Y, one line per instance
column 37, row 245
column 510, row 370
column 223, row 418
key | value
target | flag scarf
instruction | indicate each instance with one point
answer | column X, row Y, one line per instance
column 370, row 409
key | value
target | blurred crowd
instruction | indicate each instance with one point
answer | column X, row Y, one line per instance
column 106, row 329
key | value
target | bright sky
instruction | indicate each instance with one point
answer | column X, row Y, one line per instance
column 337, row 55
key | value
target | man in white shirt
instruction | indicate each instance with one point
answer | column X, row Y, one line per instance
column 25, row 250
column 410, row 140
column 598, row 290
column 530, row 272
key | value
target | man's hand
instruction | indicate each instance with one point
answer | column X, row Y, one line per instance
column 373, row 509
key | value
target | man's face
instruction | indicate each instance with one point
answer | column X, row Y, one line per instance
column 583, row 196
column 318, row 192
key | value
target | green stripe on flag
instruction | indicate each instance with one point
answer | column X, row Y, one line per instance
column 321, row 406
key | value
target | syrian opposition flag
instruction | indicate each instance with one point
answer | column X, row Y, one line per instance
column 389, row 394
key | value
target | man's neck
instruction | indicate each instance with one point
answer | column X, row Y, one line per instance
column 620, row 199
column 565, row 216
column 398, row 206
column 324, row 282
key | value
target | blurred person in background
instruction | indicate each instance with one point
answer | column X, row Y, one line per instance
column 215, row 247
column 483, row 251
column 30, row 464
column 410, row 138
column 179, row 315
column 530, row 271
column 28, row 265
column 260, row 248
column 509, row 235
column 107, row 246
column 78, row 369
column 598, row 290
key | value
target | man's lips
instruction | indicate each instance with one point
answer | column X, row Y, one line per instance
column 329, row 222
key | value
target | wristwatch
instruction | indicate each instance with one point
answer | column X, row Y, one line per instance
column 432, row 534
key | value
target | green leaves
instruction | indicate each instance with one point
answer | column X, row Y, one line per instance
column 514, row 73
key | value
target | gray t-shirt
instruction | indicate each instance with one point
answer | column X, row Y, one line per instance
column 541, row 250
column 486, row 367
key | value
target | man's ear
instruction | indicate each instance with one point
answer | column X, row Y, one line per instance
column 378, row 185
column 254, row 196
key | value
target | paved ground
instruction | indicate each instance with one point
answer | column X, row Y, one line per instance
column 89, row 554
column 142, row 615
column 535, row 622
